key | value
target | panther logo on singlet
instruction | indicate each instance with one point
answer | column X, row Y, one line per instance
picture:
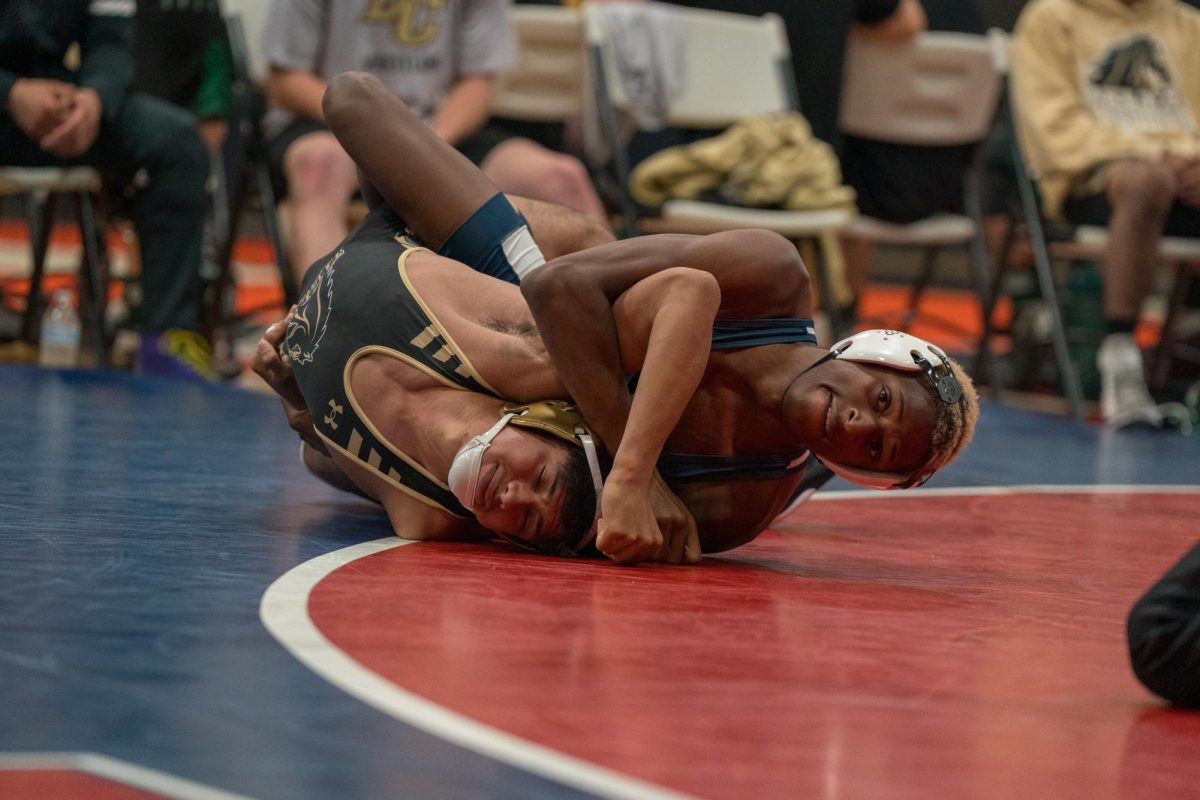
column 1131, row 85
column 307, row 327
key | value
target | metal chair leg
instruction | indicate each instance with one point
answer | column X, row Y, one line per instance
column 980, row 269
column 928, row 265
column 275, row 234
column 1041, row 260
column 94, row 275
column 1161, row 366
column 39, row 213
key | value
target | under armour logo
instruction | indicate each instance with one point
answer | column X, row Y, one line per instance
column 331, row 417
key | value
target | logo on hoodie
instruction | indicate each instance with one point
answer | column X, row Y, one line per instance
column 1131, row 85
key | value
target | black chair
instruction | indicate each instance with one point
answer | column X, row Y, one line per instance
column 247, row 177
column 41, row 188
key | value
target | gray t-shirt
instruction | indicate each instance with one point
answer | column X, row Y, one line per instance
column 418, row 48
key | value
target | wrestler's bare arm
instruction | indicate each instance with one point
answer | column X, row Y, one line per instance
column 729, row 514
column 410, row 518
column 759, row 274
column 665, row 322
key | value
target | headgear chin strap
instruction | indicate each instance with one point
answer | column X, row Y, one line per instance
column 555, row 417
column 468, row 461
column 907, row 353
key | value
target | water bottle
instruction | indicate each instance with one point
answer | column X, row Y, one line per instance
column 59, row 346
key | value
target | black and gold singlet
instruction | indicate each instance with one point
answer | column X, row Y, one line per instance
column 358, row 302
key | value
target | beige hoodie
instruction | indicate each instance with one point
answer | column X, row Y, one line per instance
column 1098, row 80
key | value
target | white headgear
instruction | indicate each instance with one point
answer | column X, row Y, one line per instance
column 907, row 353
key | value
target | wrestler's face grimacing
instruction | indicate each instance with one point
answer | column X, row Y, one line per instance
column 865, row 416
column 521, row 489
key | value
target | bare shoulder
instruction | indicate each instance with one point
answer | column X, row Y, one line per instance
column 761, row 273
column 410, row 518
column 451, row 288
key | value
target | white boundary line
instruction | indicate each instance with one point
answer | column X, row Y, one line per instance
column 119, row 771
column 1039, row 488
column 284, row 612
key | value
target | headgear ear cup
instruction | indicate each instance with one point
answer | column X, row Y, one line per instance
column 563, row 420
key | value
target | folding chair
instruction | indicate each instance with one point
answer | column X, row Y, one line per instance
column 1053, row 241
column 941, row 90
column 1182, row 255
column 735, row 66
column 247, row 171
column 42, row 187
column 547, row 82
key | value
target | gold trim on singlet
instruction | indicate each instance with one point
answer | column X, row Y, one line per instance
column 441, row 329
column 409, row 360
column 394, row 482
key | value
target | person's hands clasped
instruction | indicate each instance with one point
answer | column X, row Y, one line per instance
column 78, row 129
column 38, row 105
column 1186, row 170
column 276, row 369
column 639, row 523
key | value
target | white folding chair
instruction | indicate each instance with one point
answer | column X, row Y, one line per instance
column 547, row 82
column 939, row 90
column 41, row 188
column 735, row 66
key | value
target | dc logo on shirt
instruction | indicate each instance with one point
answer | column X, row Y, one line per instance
column 413, row 22
column 307, row 327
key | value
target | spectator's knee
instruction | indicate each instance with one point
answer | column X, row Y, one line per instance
column 565, row 180
column 176, row 159
column 316, row 165
column 1141, row 186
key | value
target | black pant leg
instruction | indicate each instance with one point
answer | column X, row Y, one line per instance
column 168, row 210
column 1164, row 634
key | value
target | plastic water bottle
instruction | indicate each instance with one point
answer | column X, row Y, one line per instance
column 59, row 346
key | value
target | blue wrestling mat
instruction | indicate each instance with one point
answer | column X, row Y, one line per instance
column 143, row 521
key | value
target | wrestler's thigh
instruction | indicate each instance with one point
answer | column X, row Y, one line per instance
column 559, row 230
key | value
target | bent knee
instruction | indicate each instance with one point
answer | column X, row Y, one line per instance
column 1141, row 185
column 317, row 164
column 565, row 177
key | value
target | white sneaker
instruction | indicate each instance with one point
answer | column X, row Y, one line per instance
column 1124, row 397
